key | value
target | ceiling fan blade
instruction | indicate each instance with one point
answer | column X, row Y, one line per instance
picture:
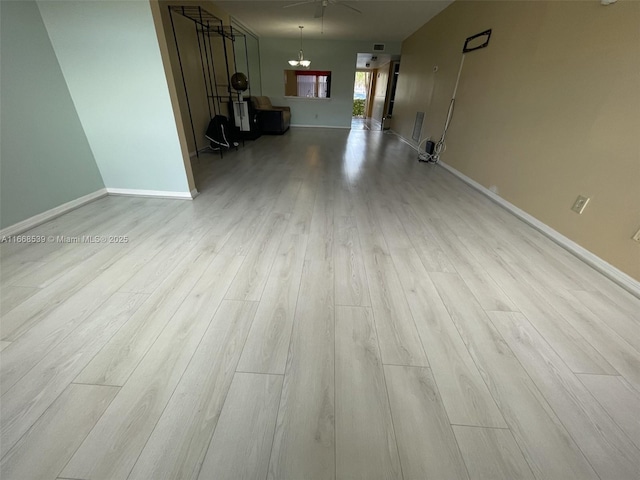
column 319, row 11
column 299, row 3
column 343, row 4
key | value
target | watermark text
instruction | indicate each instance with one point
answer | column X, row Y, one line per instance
column 80, row 239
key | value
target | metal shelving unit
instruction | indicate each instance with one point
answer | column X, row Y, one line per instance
column 209, row 31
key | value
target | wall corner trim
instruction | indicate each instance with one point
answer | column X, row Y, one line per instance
column 617, row 276
column 55, row 212
column 131, row 192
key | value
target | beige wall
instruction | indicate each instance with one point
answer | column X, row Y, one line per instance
column 550, row 110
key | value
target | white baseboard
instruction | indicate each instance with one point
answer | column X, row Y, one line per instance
column 319, row 126
column 43, row 217
column 625, row 281
column 630, row 284
column 150, row 193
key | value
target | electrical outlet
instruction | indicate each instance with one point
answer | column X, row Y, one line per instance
column 580, row 204
column 636, row 236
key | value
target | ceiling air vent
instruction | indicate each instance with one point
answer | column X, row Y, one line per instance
column 378, row 47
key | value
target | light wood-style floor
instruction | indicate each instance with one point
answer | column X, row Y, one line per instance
column 326, row 308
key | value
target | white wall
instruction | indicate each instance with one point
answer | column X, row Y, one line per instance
column 337, row 56
column 46, row 159
column 109, row 55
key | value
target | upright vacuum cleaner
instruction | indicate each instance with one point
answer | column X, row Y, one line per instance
column 434, row 150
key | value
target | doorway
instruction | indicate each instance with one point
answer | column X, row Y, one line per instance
column 374, row 89
column 361, row 95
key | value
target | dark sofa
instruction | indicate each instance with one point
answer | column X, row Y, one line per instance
column 274, row 120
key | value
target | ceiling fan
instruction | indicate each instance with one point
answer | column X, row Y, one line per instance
column 322, row 5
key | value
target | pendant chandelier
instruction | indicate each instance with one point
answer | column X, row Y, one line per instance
column 300, row 62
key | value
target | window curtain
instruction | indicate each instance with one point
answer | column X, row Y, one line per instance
column 306, row 86
column 322, row 86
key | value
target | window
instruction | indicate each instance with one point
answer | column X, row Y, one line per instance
column 308, row 83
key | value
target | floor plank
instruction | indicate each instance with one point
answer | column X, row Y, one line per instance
column 321, row 227
column 491, row 454
column 250, row 280
column 30, row 347
column 69, row 419
column 484, row 288
column 351, row 281
column 112, row 447
column 179, row 441
column 610, row 452
column 46, row 300
column 617, row 350
column 465, row 395
column 392, row 228
column 575, row 350
column 116, row 361
column 624, row 323
column 287, row 197
column 417, row 216
column 244, row 229
column 399, row 340
column 365, row 441
column 267, row 345
column 30, row 397
column 9, row 273
column 343, row 196
column 426, row 443
column 103, row 273
column 302, row 211
column 102, row 217
column 546, row 444
column 21, row 318
column 42, row 274
column 152, row 275
column 304, row 442
column 12, row 296
column 241, row 445
column 619, row 399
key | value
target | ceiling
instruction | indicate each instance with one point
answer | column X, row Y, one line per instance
column 380, row 20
